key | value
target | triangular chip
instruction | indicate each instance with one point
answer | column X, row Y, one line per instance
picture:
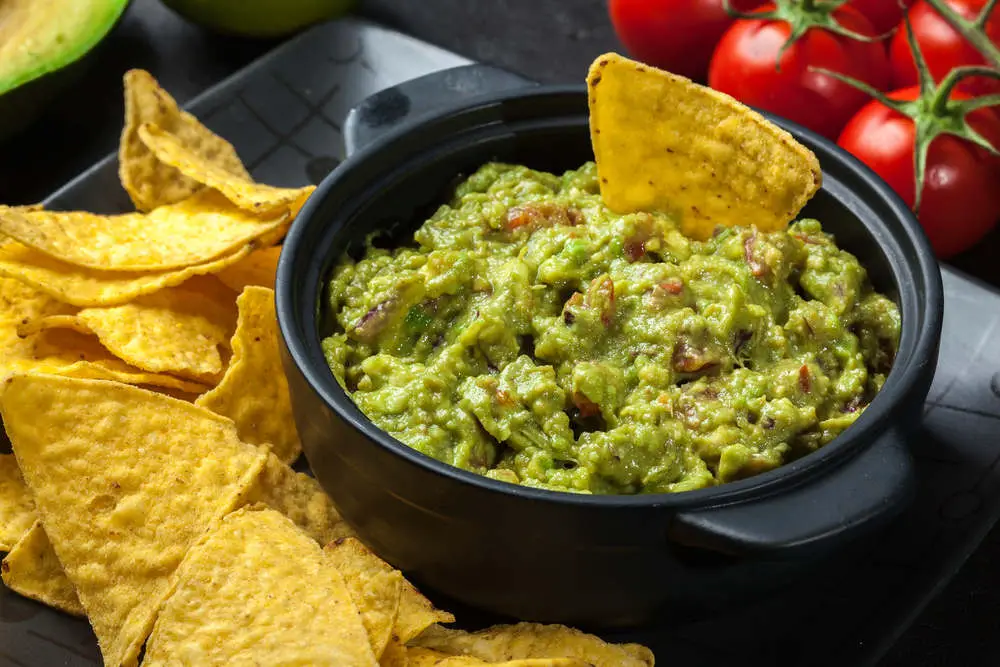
column 125, row 481
column 376, row 593
column 254, row 391
column 258, row 591
column 665, row 143
column 259, row 268
column 299, row 497
column 177, row 330
column 33, row 570
column 196, row 230
column 17, row 509
column 240, row 190
column 395, row 654
column 83, row 287
column 532, row 640
column 416, row 613
column 149, row 182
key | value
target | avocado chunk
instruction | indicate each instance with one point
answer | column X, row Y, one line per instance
column 38, row 37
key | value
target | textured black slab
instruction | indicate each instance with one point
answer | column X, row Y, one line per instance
column 285, row 116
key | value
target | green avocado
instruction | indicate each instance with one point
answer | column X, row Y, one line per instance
column 41, row 42
column 259, row 18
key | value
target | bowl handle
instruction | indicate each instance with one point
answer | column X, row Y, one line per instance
column 861, row 494
column 392, row 108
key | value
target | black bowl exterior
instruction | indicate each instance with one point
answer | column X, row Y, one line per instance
column 595, row 561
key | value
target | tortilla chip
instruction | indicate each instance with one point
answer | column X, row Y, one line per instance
column 376, row 593
column 149, row 182
column 193, row 231
column 20, row 303
column 416, row 613
column 254, row 391
column 176, row 330
column 241, row 190
column 394, row 654
column 299, row 497
column 125, row 481
column 33, row 570
column 532, row 640
column 90, row 288
column 17, row 509
column 70, row 354
column 259, row 268
column 258, row 591
column 665, row 143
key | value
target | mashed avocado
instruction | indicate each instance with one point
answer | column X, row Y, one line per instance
column 535, row 337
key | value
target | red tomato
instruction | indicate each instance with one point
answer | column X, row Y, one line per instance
column 744, row 66
column 961, row 198
column 943, row 48
column 884, row 15
column 675, row 35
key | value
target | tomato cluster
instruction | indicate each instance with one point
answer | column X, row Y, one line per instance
column 775, row 55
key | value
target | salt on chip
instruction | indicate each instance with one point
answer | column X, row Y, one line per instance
column 665, row 143
column 240, row 190
column 176, row 330
column 376, row 593
column 416, row 613
column 149, row 182
column 196, row 230
column 299, row 497
column 33, row 570
column 258, row 268
column 17, row 509
column 533, row 640
column 254, row 391
column 84, row 287
column 124, row 481
column 258, row 591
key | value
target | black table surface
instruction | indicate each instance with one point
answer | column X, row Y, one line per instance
column 552, row 41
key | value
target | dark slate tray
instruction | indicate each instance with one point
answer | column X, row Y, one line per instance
column 286, row 113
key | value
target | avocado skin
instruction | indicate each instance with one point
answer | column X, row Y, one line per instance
column 20, row 106
column 259, row 18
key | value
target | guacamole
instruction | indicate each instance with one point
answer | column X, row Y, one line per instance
column 533, row 336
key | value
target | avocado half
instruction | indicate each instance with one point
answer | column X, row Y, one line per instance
column 41, row 44
column 259, row 18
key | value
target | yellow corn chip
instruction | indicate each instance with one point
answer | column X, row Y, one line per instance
column 20, row 303
column 193, row 231
column 395, row 654
column 240, row 190
column 531, row 640
column 299, row 497
column 125, row 481
column 83, row 287
column 258, row 269
column 17, row 509
column 254, row 391
column 258, row 591
column 376, row 593
column 149, row 182
column 425, row 657
column 416, row 613
column 176, row 330
column 70, row 354
column 32, row 569
column 665, row 143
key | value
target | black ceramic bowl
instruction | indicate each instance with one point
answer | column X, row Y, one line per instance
column 596, row 561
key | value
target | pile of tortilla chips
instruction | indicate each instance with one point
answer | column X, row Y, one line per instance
column 149, row 487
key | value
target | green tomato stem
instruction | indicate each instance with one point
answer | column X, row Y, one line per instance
column 973, row 31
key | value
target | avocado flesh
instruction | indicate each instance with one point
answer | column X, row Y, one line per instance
column 38, row 37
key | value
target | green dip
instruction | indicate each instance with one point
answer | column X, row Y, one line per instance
column 532, row 336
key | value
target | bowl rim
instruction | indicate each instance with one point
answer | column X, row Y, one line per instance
column 920, row 335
